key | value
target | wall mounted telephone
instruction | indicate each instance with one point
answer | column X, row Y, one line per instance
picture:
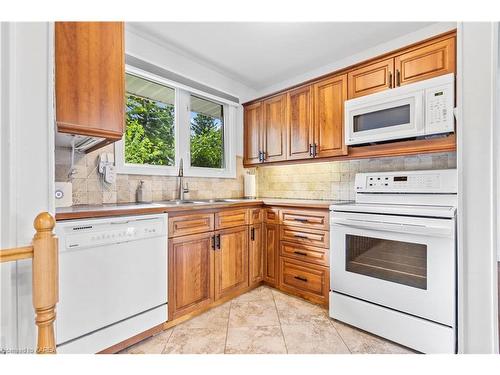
column 106, row 167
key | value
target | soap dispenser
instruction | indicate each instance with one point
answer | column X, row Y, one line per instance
column 141, row 193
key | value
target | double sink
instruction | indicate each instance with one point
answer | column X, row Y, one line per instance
column 200, row 201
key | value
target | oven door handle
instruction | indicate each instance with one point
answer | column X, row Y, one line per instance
column 418, row 229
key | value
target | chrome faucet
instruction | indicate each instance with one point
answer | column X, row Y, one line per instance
column 182, row 189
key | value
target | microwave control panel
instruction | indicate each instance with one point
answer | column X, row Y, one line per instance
column 439, row 109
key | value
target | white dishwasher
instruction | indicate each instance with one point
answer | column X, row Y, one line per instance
column 112, row 280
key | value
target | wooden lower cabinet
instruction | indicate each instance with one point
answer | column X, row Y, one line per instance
column 191, row 274
column 308, row 281
column 255, row 254
column 271, row 253
column 231, row 261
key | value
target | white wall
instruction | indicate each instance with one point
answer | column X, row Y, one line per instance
column 27, row 163
column 369, row 53
column 476, row 88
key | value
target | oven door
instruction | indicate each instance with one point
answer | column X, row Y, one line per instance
column 384, row 116
column 404, row 263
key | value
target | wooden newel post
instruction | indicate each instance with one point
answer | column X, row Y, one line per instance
column 45, row 281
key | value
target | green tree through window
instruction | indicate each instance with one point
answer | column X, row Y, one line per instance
column 207, row 141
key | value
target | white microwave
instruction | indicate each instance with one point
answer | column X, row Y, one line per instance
column 414, row 110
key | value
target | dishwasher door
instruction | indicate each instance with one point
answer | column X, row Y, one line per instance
column 109, row 270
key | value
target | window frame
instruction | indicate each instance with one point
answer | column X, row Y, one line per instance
column 183, row 135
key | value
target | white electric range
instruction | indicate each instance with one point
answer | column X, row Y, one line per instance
column 393, row 258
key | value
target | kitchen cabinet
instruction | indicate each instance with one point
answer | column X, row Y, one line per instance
column 371, row 78
column 90, row 79
column 274, row 129
column 191, row 274
column 231, row 261
column 255, row 254
column 271, row 253
column 253, row 133
column 429, row 61
column 300, row 131
column 329, row 97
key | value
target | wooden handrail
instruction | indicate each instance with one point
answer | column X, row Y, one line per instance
column 44, row 251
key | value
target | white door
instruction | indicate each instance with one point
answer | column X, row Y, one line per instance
column 404, row 263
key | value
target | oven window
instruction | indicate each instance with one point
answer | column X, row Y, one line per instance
column 400, row 262
column 384, row 118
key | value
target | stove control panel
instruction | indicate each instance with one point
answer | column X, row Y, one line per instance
column 437, row 181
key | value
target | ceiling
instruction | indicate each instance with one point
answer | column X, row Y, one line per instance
column 259, row 54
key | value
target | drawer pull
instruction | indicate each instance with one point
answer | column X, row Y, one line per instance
column 300, row 253
column 300, row 278
column 301, row 219
column 301, row 236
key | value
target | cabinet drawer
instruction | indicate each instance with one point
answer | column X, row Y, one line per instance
column 271, row 215
column 231, row 218
column 305, row 253
column 303, row 279
column 255, row 216
column 310, row 237
column 190, row 224
column 305, row 219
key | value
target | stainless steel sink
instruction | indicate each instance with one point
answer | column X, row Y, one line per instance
column 223, row 200
column 184, row 201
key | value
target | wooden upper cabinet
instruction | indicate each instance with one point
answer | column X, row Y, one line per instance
column 274, row 128
column 231, row 261
column 429, row 61
column 252, row 133
column 371, row 78
column 300, row 123
column 329, row 97
column 90, row 78
column 191, row 274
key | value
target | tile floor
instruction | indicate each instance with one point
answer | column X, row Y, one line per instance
column 264, row 321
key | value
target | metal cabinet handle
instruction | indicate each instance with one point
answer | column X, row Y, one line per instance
column 390, row 80
column 311, row 150
column 252, row 234
column 398, row 77
column 301, row 236
column 217, row 241
column 301, row 219
column 315, row 147
column 301, row 278
column 213, row 242
column 300, row 253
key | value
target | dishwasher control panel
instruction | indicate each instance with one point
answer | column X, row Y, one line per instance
column 100, row 232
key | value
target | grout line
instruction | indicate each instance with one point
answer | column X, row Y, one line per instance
column 227, row 325
column 338, row 333
column 279, row 320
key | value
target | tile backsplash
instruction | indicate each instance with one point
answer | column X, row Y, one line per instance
column 328, row 180
column 88, row 187
column 335, row 180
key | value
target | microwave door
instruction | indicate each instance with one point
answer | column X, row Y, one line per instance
column 385, row 119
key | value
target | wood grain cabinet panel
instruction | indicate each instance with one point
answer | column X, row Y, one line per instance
column 252, row 133
column 231, row 261
column 305, row 280
column 231, row 218
column 190, row 224
column 255, row 255
column 305, row 253
column 300, row 123
column 372, row 78
column 191, row 274
column 255, row 215
column 312, row 237
column 274, row 129
column 305, row 218
column 429, row 61
column 329, row 97
column 271, row 253
column 271, row 215
column 90, row 78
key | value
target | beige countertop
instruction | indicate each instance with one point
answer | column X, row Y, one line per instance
column 119, row 209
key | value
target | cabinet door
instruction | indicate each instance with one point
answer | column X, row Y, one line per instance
column 90, row 78
column 368, row 79
column 191, row 274
column 329, row 97
column 253, row 133
column 271, row 251
column 274, row 135
column 255, row 256
column 299, row 123
column 231, row 261
column 426, row 62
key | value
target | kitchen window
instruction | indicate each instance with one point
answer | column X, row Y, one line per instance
column 166, row 122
